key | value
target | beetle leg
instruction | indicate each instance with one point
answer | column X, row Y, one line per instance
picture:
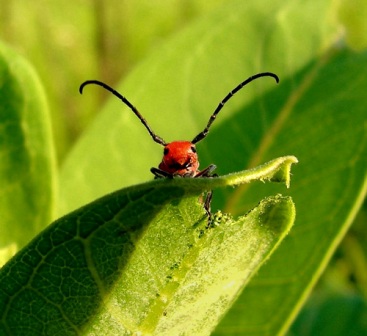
column 207, row 171
column 207, row 202
column 158, row 173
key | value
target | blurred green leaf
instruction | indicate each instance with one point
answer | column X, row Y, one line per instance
column 26, row 155
column 67, row 40
column 142, row 260
column 332, row 314
column 353, row 13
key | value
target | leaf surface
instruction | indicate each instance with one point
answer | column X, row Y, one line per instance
column 142, row 260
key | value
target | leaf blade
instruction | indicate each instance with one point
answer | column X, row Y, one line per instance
column 104, row 264
column 27, row 165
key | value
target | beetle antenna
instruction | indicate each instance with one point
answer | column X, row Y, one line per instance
column 205, row 132
column 154, row 136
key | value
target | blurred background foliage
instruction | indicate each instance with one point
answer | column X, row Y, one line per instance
column 69, row 42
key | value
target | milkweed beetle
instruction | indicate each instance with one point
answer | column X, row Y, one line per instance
column 180, row 157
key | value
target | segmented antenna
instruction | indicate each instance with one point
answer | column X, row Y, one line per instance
column 205, row 132
column 154, row 136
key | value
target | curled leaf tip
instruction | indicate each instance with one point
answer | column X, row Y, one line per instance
column 277, row 170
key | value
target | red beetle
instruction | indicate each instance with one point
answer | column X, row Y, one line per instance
column 180, row 157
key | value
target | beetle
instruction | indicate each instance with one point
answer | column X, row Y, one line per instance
column 180, row 157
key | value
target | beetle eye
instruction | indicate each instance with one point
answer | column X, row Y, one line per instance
column 193, row 149
column 165, row 151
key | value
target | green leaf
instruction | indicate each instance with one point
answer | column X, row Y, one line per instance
column 352, row 14
column 332, row 314
column 26, row 155
column 102, row 269
column 316, row 113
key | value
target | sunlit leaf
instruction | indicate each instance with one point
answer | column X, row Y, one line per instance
column 143, row 259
